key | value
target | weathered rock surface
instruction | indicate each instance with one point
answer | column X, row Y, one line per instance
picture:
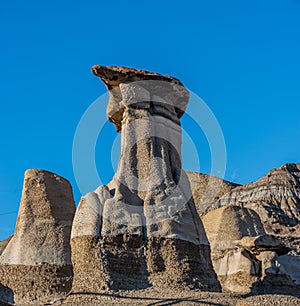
column 246, row 259
column 291, row 263
column 143, row 228
column 4, row 243
column 141, row 234
column 37, row 260
column 226, row 224
column 166, row 87
column 262, row 243
column 273, row 276
column 207, row 190
column 237, row 270
column 275, row 197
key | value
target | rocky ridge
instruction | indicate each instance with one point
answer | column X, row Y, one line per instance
column 275, row 197
column 207, row 190
column 274, row 202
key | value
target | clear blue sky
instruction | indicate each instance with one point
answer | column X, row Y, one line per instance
column 241, row 57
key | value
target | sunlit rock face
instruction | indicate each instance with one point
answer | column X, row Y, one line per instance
column 36, row 261
column 207, row 190
column 142, row 229
column 237, row 270
column 275, row 197
column 4, row 243
column 245, row 258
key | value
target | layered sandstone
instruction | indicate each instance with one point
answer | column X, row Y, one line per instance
column 37, row 260
column 275, row 197
column 143, row 228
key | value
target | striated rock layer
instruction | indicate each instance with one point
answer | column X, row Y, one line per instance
column 37, row 260
column 275, row 197
column 143, row 228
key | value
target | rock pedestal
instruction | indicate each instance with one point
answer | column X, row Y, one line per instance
column 142, row 229
column 237, row 270
column 246, row 259
column 36, row 262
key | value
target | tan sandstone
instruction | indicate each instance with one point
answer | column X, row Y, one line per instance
column 142, row 229
column 37, row 260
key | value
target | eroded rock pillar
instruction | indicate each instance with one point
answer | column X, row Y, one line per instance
column 143, row 228
column 36, row 263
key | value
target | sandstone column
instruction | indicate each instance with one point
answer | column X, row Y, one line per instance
column 36, row 263
column 142, row 229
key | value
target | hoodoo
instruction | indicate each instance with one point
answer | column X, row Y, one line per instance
column 142, row 229
column 36, row 262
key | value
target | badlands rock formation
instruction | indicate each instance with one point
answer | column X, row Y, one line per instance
column 142, row 234
column 240, row 261
column 245, row 259
column 207, row 190
column 237, row 270
column 37, row 260
column 275, row 197
column 143, row 228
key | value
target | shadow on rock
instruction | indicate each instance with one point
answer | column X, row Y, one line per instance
column 6, row 296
